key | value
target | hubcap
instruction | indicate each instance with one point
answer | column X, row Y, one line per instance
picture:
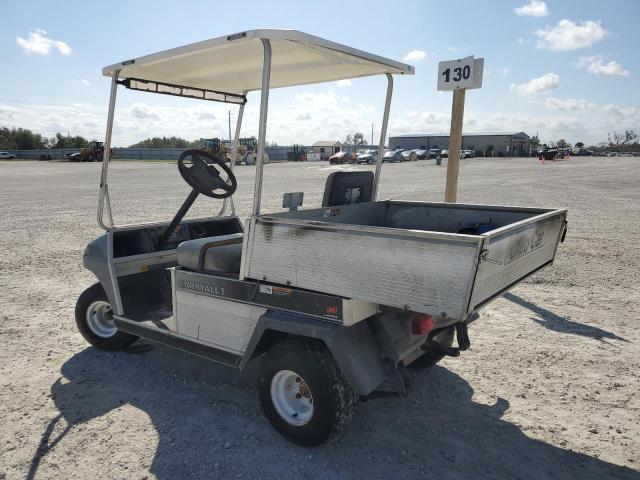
column 292, row 397
column 100, row 319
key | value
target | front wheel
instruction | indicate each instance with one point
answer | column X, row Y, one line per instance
column 94, row 319
column 303, row 393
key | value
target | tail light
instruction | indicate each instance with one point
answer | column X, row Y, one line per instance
column 421, row 324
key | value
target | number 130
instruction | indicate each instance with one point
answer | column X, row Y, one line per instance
column 458, row 73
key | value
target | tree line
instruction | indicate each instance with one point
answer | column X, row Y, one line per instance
column 625, row 141
column 25, row 139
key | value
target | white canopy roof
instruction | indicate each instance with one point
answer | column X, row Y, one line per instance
column 233, row 63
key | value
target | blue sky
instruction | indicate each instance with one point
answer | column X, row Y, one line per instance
column 564, row 69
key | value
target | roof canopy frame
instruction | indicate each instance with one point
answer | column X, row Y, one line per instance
column 233, row 63
column 115, row 72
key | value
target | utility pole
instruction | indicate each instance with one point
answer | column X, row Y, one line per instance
column 371, row 135
column 229, row 127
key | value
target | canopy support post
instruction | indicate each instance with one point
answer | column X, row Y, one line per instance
column 106, row 157
column 234, row 152
column 383, row 135
column 262, row 129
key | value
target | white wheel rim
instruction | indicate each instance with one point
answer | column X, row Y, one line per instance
column 292, row 397
column 100, row 319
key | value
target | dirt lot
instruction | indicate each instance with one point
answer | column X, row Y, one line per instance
column 549, row 389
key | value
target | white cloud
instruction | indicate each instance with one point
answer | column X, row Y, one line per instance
column 462, row 48
column 532, row 9
column 85, row 82
column 570, row 104
column 596, row 66
column 313, row 116
column 415, row 56
column 309, row 116
column 503, row 71
column 39, row 44
column 566, row 35
column 344, row 83
column 541, row 84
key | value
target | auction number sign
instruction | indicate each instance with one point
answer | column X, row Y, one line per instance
column 461, row 73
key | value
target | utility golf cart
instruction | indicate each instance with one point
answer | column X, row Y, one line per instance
column 333, row 301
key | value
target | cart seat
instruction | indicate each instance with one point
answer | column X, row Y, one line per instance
column 218, row 255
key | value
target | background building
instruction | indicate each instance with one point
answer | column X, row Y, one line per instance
column 326, row 148
column 484, row 144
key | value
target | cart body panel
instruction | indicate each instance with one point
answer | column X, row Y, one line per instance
column 408, row 255
column 513, row 253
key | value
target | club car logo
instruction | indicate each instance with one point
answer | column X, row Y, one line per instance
column 331, row 311
column 200, row 287
column 525, row 244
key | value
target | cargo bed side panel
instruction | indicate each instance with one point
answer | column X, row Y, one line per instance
column 393, row 269
column 512, row 253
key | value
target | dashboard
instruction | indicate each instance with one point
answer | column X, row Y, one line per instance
column 140, row 240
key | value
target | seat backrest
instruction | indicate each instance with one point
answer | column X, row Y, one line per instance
column 344, row 188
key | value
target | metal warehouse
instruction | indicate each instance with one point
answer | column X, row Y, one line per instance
column 484, row 144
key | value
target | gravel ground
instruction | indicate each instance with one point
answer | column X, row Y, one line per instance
column 549, row 389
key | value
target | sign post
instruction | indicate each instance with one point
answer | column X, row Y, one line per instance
column 458, row 76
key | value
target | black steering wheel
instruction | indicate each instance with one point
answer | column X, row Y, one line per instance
column 201, row 170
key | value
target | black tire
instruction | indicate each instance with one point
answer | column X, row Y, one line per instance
column 433, row 355
column 117, row 341
column 334, row 401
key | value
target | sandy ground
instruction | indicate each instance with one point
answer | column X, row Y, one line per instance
column 549, row 389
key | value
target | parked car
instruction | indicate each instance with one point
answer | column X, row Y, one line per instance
column 368, row 156
column 467, row 154
column 393, row 155
column 549, row 153
column 434, row 153
column 73, row 157
column 340, row 158
column 422, row 154
column 408, row 156
column 388, row 156
column 583, row 152
column 7, row 155
column 444, row 153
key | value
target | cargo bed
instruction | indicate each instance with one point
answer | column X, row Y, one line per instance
column 443, row 259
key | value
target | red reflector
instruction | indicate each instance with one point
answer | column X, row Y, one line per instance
column 421, row 324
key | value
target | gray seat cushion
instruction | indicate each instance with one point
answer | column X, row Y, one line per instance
column 219, row 254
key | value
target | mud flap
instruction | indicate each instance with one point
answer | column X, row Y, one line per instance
column 462, row 334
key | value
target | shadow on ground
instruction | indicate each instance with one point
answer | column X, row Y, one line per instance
column 196, row 406
column 560, row 324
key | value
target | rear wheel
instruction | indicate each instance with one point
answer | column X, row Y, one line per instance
column 94, row 319
column 303, row 393
column 432, row 354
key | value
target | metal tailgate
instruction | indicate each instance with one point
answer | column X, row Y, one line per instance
column 512, row 253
